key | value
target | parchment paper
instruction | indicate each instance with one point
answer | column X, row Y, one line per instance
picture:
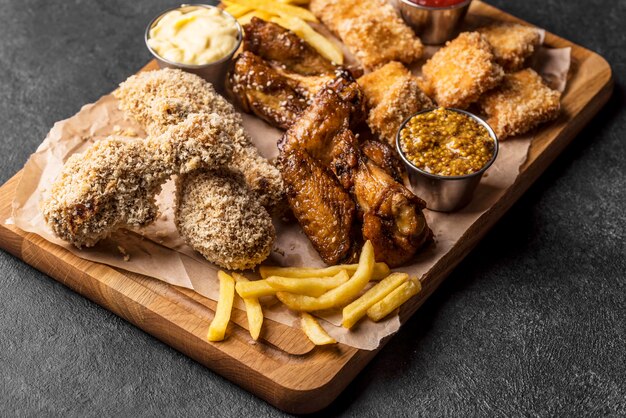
column 157, row 250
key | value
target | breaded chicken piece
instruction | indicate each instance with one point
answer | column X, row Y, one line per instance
column 371, row 29
column 512, row 43
column 392, row 94
column 159, row 99
column 520, row 103
column 460, row 72
column 232, row 230
column 113, row 184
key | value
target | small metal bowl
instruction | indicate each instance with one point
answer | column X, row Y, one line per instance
column 434, row 25
column 445, row 193
column 214, row 72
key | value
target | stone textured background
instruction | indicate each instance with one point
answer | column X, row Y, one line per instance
column 533, row 322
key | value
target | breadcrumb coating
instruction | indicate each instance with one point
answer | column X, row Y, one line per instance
column 460, row 72
column 520, row 103
column 113, row 184
column 371, row 29
column 222, row 220
column 512, row 43
column 158, row 99
column 392, row 95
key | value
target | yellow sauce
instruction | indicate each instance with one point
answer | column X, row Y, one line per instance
column 194, row 36
column 446, row 143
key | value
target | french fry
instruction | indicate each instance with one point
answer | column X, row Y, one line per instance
column 277, row 8
column 237, row 10
column 394, row 299
column 246, row 18
column 217, row 329
column 338, row 296
column 254, row 312
column 357, row 309
column 311, row 286
column 314, row 330
column 296, row 2
column 318, row 41
column 381, row 270
column 254, row 289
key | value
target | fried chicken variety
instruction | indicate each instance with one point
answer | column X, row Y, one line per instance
column 159, row 99
column 113, row 184
column 392, row 94
column 391, row 215
column 371, row 29
column 520, row 103
column 222, row 220
column 512, row 43
column 460, row 72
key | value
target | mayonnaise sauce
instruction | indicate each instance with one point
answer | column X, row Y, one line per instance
column 195, row 36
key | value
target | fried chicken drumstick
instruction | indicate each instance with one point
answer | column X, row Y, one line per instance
column 113, row 184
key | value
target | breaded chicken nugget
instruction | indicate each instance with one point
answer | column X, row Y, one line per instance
column 461, row 71
column 512, row 43
column 520, row 103
column 371, row 29
column 113, row 184
column 218, row 216
column 392, row 94
column 159, row 99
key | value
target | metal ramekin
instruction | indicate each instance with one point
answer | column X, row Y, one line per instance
column 214, row 72
column 434, row 25
column 445, row 193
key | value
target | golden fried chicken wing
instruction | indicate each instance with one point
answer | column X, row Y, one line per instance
column 371, row 29
column 460, row 72
column 512, row 43
column 274, row 43
column 520, row 103
column 113, row 184
column 392, row 94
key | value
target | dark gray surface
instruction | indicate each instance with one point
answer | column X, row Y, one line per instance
column 532, row 323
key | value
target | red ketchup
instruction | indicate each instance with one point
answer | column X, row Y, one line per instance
column 438, row 3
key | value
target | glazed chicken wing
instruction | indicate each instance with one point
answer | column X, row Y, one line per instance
column 276, row 44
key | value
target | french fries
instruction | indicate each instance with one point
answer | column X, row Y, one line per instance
column 254, row 289
column 237, row 10
column 314, row 330
column 311, row 286
column 381, row 270
column 278, row 8
column 323, row 45
column 394, row 299
column 338, row 296
column 246, row 18
column 254, row 312
column 357, row 309
column 217, row 329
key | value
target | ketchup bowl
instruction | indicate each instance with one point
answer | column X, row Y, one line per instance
column 434, row 21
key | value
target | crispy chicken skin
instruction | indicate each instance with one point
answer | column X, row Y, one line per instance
column 371, row 29
column 520, row 103
column 460, row 72
column 324, row 210
column 113, row 184
column 385, row 157
column 222, row 220
column 512, row 43
column 159, row 99
column 274, row 43
column 392, row 216
column 392, row 94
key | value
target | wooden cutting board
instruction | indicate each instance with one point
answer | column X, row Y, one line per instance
column 284, row 368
